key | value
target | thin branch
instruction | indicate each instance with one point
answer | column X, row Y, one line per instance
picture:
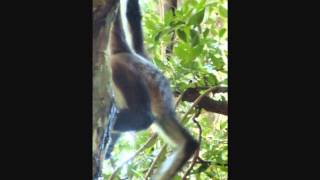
column 155, row 161
column 179, row 99
column 220, row 89
column 200, row 160
column 196, row 103
column 196, row 154
column 150, row 142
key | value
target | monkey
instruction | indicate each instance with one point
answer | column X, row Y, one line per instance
column 142, row 93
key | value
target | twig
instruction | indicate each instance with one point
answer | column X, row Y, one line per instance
column 200, row 160
column 183, row 120
column 179, row 99
column 196, row 154
column 155, row 162
column 207, row 103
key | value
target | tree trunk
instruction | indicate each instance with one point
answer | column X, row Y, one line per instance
column 101, row 97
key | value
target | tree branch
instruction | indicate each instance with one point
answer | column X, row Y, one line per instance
column 196, row 103
column 207, row 103
column 100, row 13
column 200, row 160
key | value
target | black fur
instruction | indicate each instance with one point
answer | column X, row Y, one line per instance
column 133, row 120
column 134, row 20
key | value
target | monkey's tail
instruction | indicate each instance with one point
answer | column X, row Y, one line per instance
column 117, row 40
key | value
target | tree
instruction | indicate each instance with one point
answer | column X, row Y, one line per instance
column 102, row 9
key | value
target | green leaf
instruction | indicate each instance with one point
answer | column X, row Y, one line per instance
column 210, row 174
column 157, row 37
column 202, row 168
column 195, row 41
column 182, row 85
column 168, row 17
column 201, row 4
column 218, row 63
column 196, row 51
column 222, row 32
column 223, row 125
column 213, row 4
column 194, row 37
column 162, row 33
column 197, row 18
column 176, row 23
column 206, row 32
column 225, row 81
column 182, row 35
column 223, row 11
column 212, row 80
column 139, row 174
column 193, row 33
column 187, row 63
column 151, row 23
column 182, row 51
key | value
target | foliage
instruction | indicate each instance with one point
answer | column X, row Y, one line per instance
column 199, row 59
column 200, row 53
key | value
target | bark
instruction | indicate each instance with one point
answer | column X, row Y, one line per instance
column 101, row 97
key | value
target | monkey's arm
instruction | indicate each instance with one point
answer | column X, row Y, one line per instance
column 134, row 17
column 117, row 41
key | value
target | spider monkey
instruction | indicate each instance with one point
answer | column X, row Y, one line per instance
column 142, row 93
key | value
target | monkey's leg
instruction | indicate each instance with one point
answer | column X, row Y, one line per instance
column 135, row 112
column 130, row 120
column 184, row 144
